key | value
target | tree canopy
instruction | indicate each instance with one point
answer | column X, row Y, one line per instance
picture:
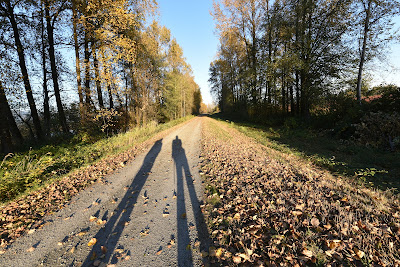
column 129, row 70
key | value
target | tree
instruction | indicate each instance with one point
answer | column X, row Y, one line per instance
column 376, row 24
column 243, row 19
column 51, row 19
column 8, row 124
column 7, row 8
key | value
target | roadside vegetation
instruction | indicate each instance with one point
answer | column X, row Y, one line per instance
column 371, row 166
column 31, row 170
column 266, row 204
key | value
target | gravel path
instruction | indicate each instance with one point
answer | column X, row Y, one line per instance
column 145, row 214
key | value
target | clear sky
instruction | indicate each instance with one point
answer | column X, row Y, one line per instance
column 388, row 70
column 191, row 24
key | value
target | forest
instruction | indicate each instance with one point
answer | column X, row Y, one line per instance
column 97, row 67
column 299, row 61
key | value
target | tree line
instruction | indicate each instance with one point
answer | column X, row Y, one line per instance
column 287, row 56
column 128, row 68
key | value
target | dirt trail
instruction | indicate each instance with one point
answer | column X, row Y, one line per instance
column 146, row 214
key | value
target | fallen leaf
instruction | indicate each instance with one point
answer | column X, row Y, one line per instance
column 315, row 222
column 244, row 256
column 307, row 253
column 31, row 231
column 237, row 259
column 92, row 218
column 92, row 242
column 360, row 254
column 30, row 249
column 101, row 222
column 297, row 213
column 218, row 252
column 103, row 249
column 165, row 214
column 332, row 244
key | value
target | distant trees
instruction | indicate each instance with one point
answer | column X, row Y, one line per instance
column 283, row 56
column 374, row 26
column 126, row 68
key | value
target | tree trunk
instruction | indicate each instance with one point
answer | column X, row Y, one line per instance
column 87, row 71
column 108, row 75
column 8, row 118
column 77, row 59
column 5, row 137
column 54, row 73
column 297, row 93
column 283, row 92
column 98, row 83
column 46, row 106
column 292, row 108
column 24, row 72
column 110, row 96
column 364, row 47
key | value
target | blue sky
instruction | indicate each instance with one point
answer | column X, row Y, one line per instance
column 191, row 24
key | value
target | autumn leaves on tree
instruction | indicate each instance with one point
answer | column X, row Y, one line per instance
column 128, row 70
column 285, row 56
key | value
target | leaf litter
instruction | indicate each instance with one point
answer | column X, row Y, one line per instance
column 265, row 207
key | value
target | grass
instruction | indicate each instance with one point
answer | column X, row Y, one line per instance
column 373, row 167
column 279, row 230
column 31, row 170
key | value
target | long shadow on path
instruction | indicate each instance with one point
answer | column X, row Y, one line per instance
column 184, row 177
column 110, row 234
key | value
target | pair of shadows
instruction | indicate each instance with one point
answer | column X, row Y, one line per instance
column 111, row 233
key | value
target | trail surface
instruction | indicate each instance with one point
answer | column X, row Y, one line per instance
column 145, row 214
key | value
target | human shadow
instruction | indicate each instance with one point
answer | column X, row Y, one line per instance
column 184, row 177
column 109, row 235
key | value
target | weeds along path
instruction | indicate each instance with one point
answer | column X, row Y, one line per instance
column 266, row 207
column 147, row 213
